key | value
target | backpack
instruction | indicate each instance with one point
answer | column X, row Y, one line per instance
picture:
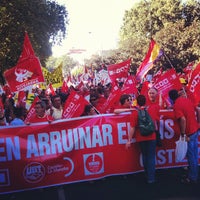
column 146, row 124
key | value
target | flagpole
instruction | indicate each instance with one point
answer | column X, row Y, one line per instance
column 168, row 60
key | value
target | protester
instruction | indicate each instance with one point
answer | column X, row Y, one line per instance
column 40, row 114
column 154, row 104
column 185, row 115
column 125, row 104
column 89, row 110
column 147, row 143
column 56, row 110
column 2, row 117
column 8, row 108
column 18, row 117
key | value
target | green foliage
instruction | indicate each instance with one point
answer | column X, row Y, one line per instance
column 44, row 21
column 67, row 64
column 174, row 25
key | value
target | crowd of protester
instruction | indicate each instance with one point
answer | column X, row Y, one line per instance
column 50, row 107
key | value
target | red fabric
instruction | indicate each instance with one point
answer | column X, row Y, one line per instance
column 129, row 86
column 76, row 150
column 119, row 70
column 64, row 87
column 31, row 111
column 27, row 72
column 184, row 107
column 194, row 84
column 157, row 75
column 134, row 123
column 36, row 119
column 21, row 100
column 50, row 90
column 144, row 89
column 169, row 80
column 100, row 103
column 112, row 101
column 74, row 105
column 27, row 49
column 153, row 109
column 7, row 91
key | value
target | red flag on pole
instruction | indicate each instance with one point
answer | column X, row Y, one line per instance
column 74, row 105
column 169, row 80
column 27, row 49
column 119, row 70
column 28, row 70
column 194, row 84
column 50, row 90
column 21, row 99
column 64, row 87
column 31, row 112
column 129, row 86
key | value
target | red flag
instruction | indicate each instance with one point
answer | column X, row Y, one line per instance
column 31, row 112
column 64, row 87
column 50, row 90
column 1, row 104
column 129, row 86
column 27, row 71
column 119, row 71
column 27, row 49
column 169, row 80
column 21, row 100
column 188, row 70
column 112, row 100
column 7, row 90
column 194, row 84
column 74, row 105
column 145, row 87
column 80, row 86
column 152, row 55
column 157, row 74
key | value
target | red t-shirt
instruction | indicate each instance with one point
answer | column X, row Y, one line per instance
column 134, row 123
column 184, row 107
column 37, row 119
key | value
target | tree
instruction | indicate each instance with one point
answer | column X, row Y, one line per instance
column 44, row 21
column 67, row 64
column 174, row 25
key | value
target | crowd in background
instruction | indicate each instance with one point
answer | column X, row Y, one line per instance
column 50, row 107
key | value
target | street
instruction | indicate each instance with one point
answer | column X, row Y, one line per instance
column 167, row 187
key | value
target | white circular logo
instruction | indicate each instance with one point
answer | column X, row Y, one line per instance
column 34, row 172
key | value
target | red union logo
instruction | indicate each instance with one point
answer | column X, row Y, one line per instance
column 121, row 69
column 34, row 172
column 93, row 163
column 161, row 83
column 195, row 81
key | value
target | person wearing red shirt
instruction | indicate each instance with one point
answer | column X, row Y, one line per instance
column 125, row 104
column 147, row 143
column 40, row 113
column 154, row 103
column 185, row 115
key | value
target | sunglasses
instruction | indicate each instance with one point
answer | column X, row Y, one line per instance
column 129, row 99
